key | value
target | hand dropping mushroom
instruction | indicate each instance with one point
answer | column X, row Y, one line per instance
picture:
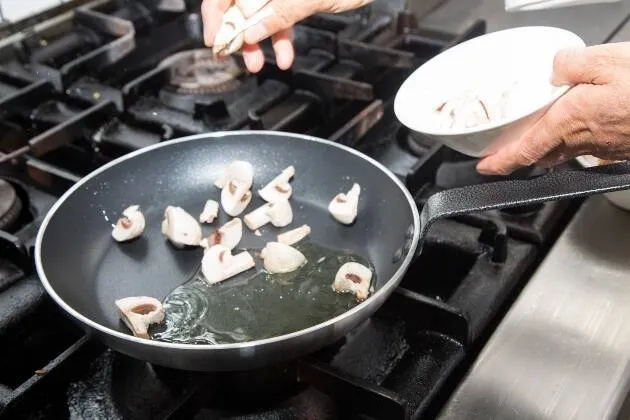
column 355, row 278
column 219, row 264
column 130, row 225
column 180, row 227
column 231, row 34
column 139, row 312
column 344, row 207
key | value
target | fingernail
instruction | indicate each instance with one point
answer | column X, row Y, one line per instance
column 256, row 33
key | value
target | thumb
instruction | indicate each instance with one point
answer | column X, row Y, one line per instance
column 573, row 66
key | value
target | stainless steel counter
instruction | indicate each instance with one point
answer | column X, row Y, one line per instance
column 563, row 349
column 595, row 23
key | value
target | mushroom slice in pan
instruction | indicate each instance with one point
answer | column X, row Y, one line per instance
column 180, row 227
column 279, row 188
column 210, row 212
column 237, row 170
column 344, row 206
column 228, row 235
column 295, row 235
column 219, row 264
column 281, row 258
column 279, row 214
column 130, row 225
column 354, row 278
column 138, row 312
column 235, row 197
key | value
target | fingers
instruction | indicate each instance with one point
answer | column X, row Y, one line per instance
column 283, row 47
column 582, row 65
column 253, row 57
column 560, row 126
column 212, row 15
column 279, row 15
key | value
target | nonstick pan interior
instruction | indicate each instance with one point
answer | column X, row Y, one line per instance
column 86, row 270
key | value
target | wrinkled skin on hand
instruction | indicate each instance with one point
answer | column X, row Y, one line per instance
column 283, row 14
column 592, row 118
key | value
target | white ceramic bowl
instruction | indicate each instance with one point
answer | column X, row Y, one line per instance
column 620, row 199
column 493, row 62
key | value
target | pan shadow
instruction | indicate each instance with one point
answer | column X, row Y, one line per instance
column 136, row 249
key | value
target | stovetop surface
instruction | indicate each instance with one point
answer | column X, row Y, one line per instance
column 119, row 76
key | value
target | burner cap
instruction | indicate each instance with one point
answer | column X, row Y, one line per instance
column 10, row 205
column 199, row 72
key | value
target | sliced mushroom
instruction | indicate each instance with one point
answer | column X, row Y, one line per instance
column 278, row 214
column 294, row 236
column 353, row 277
column 237, row 170
column 344, row 206
column 180, row 227
column 210, row 212
column 228, row 235
column 130, row 225
column 235, row 197
column 279, row 188
column 219, row 264
column 138, row 312
column 281, row 258
column 230, row 36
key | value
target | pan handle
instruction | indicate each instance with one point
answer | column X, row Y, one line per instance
column 556, row 185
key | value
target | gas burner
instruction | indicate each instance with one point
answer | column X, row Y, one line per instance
column 10, row 205
column 198, row 72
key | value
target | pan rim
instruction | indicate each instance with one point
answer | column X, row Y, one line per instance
column 391, row 283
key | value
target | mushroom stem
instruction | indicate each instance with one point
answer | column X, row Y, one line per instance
column 210, row 212
column 344, row 207
column 279, row 214
column 219, row 264
column 140, row 312
column 294, row 236
column 279, row 188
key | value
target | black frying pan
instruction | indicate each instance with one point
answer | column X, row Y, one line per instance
column 85, row 270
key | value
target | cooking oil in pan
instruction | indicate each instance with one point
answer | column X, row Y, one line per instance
column 258, row 305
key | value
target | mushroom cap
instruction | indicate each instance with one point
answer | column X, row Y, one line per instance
column 281, row 258
column 229, row 235
column 180, row 227
column 235, row 197
column 237, row 170
column 344, row 207
column 138, row 312
column 280, row 213
column 130, row 225
column 353, row 277
column 224, row 41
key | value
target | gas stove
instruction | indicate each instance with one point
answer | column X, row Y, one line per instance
column 82, row 88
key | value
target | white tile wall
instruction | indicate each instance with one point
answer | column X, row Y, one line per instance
column 13, row 10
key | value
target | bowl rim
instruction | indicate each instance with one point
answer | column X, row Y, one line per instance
column 447, row 132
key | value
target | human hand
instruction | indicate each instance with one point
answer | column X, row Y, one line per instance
column 281, row 15
column 592, row 118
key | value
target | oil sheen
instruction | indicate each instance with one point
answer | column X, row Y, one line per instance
column 257, row 305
